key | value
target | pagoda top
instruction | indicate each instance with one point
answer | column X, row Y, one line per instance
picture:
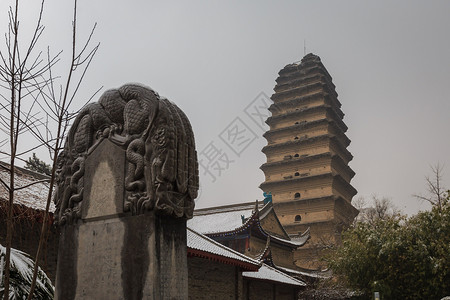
column 310, row 60
column 310, row 57
column 307, row 59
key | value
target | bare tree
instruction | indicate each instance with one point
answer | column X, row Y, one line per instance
column 35, row 105
column 435, row 189
column 380, row 209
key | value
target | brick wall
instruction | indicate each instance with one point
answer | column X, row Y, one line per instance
column 212, row 280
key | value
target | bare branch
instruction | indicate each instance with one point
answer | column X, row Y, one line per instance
column 436, row 192
column 5, row 185
column 31, row 184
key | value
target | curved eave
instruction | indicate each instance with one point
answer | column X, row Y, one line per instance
column 222, row 259
column 249, row 225
column 276, row 240
column 302, row 237
column 314, row 275
column 271, row 275
column 254, row 218
column 268, row 208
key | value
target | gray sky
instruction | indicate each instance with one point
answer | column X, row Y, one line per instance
column 389, row 61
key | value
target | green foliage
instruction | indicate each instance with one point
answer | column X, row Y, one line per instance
column 35, row 164
column 21, row 273
column 402, row 258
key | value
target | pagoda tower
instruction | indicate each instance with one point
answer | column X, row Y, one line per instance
column 307, row 169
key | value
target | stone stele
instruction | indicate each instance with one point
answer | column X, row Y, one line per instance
column 126, row 184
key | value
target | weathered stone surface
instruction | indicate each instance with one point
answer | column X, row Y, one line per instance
column 103, row 180
column 133, row 257
column 127, row 181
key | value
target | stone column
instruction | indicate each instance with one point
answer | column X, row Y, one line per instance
column 126, row 183
column 110, row 254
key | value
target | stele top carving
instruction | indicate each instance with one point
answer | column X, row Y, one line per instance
column 162, row 167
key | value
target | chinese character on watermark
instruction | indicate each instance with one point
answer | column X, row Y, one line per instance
column 258, row 110
column 238, row 136
column 213, row 161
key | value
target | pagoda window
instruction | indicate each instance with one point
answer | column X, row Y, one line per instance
column 298, row 218
column 297, row 195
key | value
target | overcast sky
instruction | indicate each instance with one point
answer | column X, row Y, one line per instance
column 390, row 62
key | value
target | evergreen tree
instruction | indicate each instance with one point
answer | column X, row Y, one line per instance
column 21, row 274
column 35, row 164
column 400, row 257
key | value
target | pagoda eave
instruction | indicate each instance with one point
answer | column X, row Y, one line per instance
column 296, row 160
column 289, row 181
column 268, row 148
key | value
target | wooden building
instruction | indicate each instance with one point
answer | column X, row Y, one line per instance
column 307, row 170
column 254, row 229
column 218, row 272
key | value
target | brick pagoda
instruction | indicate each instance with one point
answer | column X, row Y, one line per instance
column 307, row 169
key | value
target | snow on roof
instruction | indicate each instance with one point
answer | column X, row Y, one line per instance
column 313, row 274
column 301, row 238
column 293, row 242
column 218, row 220
column 203, row 243
column 34, row 196
column 228, row 218
column 271, row 274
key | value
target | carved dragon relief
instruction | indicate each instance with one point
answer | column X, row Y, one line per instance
column 162, row 167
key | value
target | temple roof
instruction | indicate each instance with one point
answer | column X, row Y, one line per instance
column 202, row 246
column 269, row 273
column 220, row 219
column 306, row 273
column 233, row 219
column 34, row 195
